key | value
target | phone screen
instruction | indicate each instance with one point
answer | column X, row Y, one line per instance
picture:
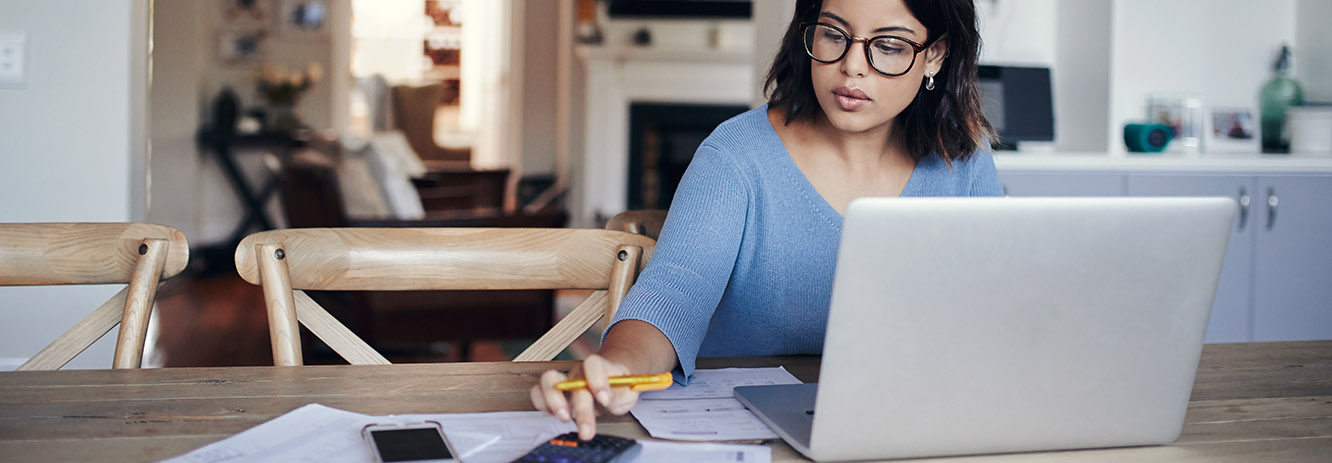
column 402, row 445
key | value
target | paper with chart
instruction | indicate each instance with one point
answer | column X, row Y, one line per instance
column 707, row 410
column 316, row 433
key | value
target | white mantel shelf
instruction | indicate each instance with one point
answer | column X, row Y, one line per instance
column 1208, row 163
column 666, row 55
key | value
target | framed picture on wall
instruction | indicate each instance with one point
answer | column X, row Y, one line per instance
column 307, row 18
column 1184, row 114
column 1232, row 130
column 244, row 13
column 241, row 47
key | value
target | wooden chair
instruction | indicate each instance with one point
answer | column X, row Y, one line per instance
column 287, row 262
column 646, row 222
column 404, row 323
column 141, row 255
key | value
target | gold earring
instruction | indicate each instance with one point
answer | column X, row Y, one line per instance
column 929, row 81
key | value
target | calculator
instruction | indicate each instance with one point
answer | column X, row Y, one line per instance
column 566, row 448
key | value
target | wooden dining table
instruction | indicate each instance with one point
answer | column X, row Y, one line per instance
column 1251, row 402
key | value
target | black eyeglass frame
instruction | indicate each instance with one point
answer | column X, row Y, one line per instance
column 851, row 39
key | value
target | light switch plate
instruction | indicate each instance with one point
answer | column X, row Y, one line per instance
column 13, row 59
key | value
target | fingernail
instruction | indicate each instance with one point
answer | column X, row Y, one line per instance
column 603, row 396
column 562, row 414
column 585, row 432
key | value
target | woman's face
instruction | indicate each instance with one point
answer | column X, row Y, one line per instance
column 854, row 96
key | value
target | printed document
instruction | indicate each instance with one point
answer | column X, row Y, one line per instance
column 707, row 410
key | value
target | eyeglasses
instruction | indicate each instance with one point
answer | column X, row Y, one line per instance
column 889, row 55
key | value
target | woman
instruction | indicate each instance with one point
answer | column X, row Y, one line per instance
column 866, row 98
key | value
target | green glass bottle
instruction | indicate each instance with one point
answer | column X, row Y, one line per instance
column 1278, row 94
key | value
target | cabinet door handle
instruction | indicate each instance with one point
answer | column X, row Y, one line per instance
column 1244, row 201
column 1272, row 201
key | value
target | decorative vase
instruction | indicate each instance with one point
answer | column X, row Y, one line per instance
column 282, row 117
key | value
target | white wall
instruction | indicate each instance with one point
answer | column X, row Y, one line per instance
column 1218, row 50
column 1082, row 75
column 1017, row 31
column 490, row 68
column 175, row 112
column 770, row 17
column 540, row 31
column 66, row 153
column 1313, row 49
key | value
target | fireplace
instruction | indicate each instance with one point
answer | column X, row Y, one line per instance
column 662, row 141
column 704, row 86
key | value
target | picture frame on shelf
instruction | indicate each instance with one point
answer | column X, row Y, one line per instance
column 1232, row 130
column 1183, row 114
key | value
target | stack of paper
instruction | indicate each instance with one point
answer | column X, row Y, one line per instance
column 315, row 433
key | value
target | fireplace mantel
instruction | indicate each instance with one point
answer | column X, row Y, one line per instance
column 616, row 76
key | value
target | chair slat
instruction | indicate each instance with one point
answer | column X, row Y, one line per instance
column 563, row 333
column 78, row 338
column 334, row 333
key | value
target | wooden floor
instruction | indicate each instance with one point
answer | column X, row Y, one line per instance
column 221, row 321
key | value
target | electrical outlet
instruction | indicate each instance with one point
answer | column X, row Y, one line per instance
column 13, row 59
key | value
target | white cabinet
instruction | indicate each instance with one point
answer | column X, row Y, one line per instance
column 1293, row 257
column 1276, row 284
column 1232, row 311
column 1028, row 183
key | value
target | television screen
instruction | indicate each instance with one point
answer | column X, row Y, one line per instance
column 1018, row 102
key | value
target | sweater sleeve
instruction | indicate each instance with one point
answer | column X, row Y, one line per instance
column 680, row 288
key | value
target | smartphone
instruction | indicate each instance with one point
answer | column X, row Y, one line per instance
column 409, row 442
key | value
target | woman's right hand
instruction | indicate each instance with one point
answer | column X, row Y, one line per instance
column 581, row 405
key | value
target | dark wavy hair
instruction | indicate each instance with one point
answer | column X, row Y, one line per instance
column 948, row 120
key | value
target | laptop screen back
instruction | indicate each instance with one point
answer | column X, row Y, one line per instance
column 967, row 325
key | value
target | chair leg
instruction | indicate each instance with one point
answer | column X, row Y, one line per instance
column 623, row 274
column 284, row 333
column 139, row 303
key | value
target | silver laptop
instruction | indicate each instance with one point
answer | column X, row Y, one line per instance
column 966, row 325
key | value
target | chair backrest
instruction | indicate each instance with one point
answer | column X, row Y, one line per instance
column 310, row 194
column 286, row 262
column 414, row 114
column 137, row 254
column 646, row 222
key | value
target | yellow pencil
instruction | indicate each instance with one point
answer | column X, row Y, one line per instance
column 634, row 382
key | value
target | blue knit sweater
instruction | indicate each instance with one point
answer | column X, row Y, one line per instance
column 744, row 263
